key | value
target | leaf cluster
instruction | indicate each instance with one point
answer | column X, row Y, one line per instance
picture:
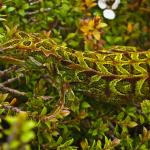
column 55, row 97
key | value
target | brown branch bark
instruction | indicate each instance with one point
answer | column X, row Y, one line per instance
column 6, row 48
column 12, row 80
column 7, row 71
column 12, row 91
column 14, row 109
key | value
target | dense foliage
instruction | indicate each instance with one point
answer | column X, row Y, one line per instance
column 63, row 83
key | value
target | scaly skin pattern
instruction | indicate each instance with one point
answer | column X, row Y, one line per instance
column 119, row 74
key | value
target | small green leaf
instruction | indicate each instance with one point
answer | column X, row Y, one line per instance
column 10, row 9
column 142, row 120
column 73, row 43
column 28, row 125
column 143, row 147
column 145, row 105
column 70, row 36
column 44, row 111
column 85, row 105
column 14, row 144
column 99, row 145
column 102, row 25
column 84, row 144
column 55, row 133
column 25, row 6
column 59, row 141
column 11, row 120
column 120, row 116
column 27, row 136
column 68, row 143
column 94, row 133
column 132, row 124
column 21, row 12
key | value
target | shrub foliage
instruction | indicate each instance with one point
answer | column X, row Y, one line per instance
column 64, row 86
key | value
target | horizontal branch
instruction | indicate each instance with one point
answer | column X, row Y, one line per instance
column 14, row 109
column 38, row 11
column 147, row 10
column 12, row 80
column 6, row 48
column 12, row 91
column 11, row 69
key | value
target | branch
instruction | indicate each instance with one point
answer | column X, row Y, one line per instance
column 147, row 10
column 11, row 69
column 12, row 91
column 6, row 48
column 38, row 11
column 14, row 109
column 12, row 80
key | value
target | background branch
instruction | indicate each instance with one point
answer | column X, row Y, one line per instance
column 12, row 91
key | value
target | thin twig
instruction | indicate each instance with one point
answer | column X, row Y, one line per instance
column 38, row 11
column 14, row 109
column 147, row 10
column 6, row 48
column 34, row 2
column 12, row 80
column 12, row 91
column 45, row 98
column 7, row 71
